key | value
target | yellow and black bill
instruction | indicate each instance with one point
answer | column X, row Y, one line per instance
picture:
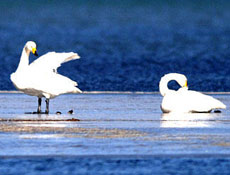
column 34, row 51
column 186, row 84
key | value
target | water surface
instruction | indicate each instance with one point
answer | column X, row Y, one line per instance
column 116, row 134
column 124, row 45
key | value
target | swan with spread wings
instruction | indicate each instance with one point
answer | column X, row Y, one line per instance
column 40, row 78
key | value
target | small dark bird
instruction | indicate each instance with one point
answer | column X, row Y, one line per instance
column 70, row 111
column 58, row 112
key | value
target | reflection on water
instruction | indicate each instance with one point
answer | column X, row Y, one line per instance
column 188, row 120
column 39, row 136
column 37, row 117
column 50, row 124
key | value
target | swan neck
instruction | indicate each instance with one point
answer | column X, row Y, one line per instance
column 24, row 60
column 163, row 86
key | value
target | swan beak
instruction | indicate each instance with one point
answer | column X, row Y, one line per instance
column 34, row 51
column 186, row 84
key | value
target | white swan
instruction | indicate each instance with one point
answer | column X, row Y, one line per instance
column 184, row 100
column 40, row 78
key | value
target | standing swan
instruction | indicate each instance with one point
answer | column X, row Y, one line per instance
column 40, row 78
column 184, row 100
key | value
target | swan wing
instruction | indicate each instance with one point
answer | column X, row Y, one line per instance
column 56, row 84
column 52, row 60
column 42, row 79
column 199, row 102
column 189, row 101
column 48, row 84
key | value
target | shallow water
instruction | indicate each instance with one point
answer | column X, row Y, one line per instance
column 116, row 134
column 116, row 165
column 124, row 45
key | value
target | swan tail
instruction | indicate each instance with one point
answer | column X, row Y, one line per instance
column 221, row 105
column 218, row 104
column 77, row 90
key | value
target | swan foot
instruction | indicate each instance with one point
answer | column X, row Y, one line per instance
column 217, row 111
column 47, row 106
column 39, row 105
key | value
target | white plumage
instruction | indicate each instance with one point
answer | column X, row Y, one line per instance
column 184, row 100
column 40, row 78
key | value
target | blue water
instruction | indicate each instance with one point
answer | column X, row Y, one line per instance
column 124, row 45
column 116, row 134
column 114, row 165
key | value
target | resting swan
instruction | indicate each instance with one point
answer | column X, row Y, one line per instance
column 184, row 100
column 40, row 78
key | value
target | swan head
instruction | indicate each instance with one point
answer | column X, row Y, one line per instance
column 179, row 78
column 31, row 46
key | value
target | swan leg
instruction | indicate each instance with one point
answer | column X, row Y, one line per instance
column 47, row 106
column 39, row 105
